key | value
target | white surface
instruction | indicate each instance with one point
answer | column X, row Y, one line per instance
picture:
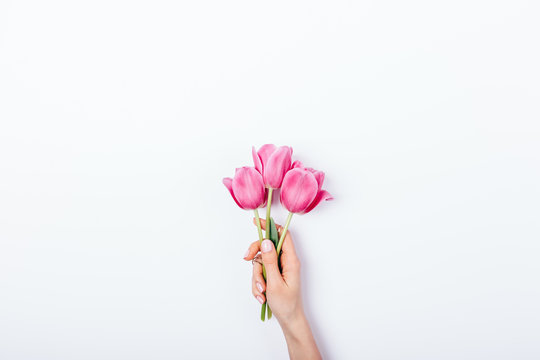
column 118, row 120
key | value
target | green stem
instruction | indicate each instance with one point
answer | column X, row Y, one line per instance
column 263, row 312
column 268, row 204
column 263, row 306
column 260, row 236
column 280, row 243
column 283, row 233
column 258, row 225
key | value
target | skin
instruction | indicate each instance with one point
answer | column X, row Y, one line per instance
column 282, row 291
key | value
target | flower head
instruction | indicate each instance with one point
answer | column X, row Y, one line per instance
column 301, row 190
column 247, row 188
column 273, row 163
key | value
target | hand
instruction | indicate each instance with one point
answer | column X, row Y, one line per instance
column 283, row 293
column 283, row 289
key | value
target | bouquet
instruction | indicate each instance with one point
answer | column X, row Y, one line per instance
column 253, row 187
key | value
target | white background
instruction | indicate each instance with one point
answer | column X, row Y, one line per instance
column 118, row 120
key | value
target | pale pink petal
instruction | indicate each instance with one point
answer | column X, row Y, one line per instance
column 299, row 190
column 277, row 166
column 321, row 195
column 228, row 184
column 296, row 164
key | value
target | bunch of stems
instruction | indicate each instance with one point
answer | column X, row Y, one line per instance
column 266, row 312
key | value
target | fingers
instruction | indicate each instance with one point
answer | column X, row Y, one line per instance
column 279, row 227
column 258, row 285
column 263, row 225
column 252, row 250
column 288, row 246
column 269, row 258
column 290, row 264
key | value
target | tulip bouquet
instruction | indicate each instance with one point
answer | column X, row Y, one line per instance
column 253, row 187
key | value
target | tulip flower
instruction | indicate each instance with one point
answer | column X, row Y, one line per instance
column 273, row 163
column 248, row 191
column 247, row 188
column 252, row 188
column 301, row 192
column 302, row 189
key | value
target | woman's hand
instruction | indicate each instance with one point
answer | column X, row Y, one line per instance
column 282, row 291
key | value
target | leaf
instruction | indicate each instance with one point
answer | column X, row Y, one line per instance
column 274, row 237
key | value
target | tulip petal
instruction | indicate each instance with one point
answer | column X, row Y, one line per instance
column 277, row 166
column 297, row 164
column 319, row 175
column 264, row 153
column 299, row 190
column 228, row 184
column 256, row 160
column 248, row 188
column 321, row 195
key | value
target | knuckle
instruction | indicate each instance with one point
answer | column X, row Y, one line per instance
column 256, row 274
column 269, row 255
column 269, row 259
column 270, row 263
column 274, row 289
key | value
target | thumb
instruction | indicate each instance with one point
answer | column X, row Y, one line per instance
column 270, row 260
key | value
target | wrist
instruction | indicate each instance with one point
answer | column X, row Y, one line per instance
column 297, row 330
column 293, row 322
column 300, row 340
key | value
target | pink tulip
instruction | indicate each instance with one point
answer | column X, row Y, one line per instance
column 273, row 163
column 247, row 188
column 301, row 190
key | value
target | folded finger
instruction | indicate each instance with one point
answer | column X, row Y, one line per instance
column 263, row 226
column 252, row 250
column 263, row 223
column 288, row 246
column 258, row 285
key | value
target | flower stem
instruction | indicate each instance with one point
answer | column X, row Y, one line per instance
column 263, row 306
column 258, row 225
column 283, row 233
column 263, row 312
column 268, row 204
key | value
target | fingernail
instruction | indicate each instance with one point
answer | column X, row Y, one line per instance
column 259, row 286
column 260, row 299
column 247, row 253
column 266, row 246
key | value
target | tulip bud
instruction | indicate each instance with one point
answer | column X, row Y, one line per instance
column 247, row 188
column 273, row 163
column 301, row 190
